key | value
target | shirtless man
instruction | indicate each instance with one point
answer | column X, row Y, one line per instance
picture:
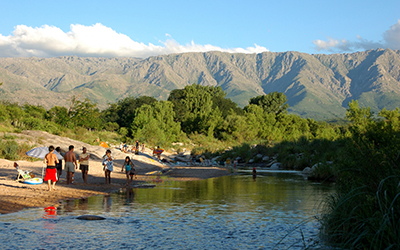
column 70, row 161
column 51, row 172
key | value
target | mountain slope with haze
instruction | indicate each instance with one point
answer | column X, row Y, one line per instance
column 317, row 86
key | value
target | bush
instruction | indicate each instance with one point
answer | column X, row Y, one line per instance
column 9, row 150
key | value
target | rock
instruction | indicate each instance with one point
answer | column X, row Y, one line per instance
column 90, row 217
column 184, row 159
column 265, row 158
column 271, row 163
column 307, row 170
column 275, row 166
column 315, row 166
column 215, row 159
column 259, row 156
column 251, row 161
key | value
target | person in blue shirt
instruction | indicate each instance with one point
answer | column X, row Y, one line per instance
column 129, row 169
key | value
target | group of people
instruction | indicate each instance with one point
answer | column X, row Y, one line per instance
column 54, row 166
column 135, row 149
column 108, row 167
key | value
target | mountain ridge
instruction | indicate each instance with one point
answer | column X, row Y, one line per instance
column 318, row 86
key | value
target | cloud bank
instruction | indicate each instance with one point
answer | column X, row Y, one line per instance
column 391, row 40
column 94, row 41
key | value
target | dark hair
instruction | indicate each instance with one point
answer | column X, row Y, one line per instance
column 127, row 158
column 71, row 147
column 108, row 151
column 58, row 149
column 51, row 148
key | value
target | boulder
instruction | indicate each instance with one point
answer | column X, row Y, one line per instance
column 251, row 161
column 307, row 170
column 259, row 156
column 315, row 166
column 90, row 217
column 265, row 158
column 275, row 166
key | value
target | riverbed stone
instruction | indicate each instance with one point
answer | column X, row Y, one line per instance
column 259, row 156
column 265, row 158
column 307, row 170
column 275, row 166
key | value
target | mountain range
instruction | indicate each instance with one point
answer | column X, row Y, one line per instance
column 318, row 86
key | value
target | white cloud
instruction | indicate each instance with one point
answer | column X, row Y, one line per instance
column 391, row 40
column 96, row 40
column 392, row 36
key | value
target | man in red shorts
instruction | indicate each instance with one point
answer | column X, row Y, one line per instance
column 51, row 172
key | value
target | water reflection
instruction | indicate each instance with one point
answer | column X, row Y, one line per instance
column 229, row 212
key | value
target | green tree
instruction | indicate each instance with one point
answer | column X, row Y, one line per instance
column 272, row 103
column 361, row 118
column 123, row 112
column 195, row 109
column 86, row 114
column 155, row 123
column 35, row 111
column 59, row 115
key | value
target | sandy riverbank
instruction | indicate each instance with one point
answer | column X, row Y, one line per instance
column 15, row 196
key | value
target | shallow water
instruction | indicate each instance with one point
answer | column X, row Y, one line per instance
column 231, row 212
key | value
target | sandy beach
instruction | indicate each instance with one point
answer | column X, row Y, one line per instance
column 15, row 196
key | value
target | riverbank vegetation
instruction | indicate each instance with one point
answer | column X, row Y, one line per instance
column 361, row 153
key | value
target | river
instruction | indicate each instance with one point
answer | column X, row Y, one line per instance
column 276, row 210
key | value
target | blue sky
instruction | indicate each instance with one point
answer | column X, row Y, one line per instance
column 148, row 28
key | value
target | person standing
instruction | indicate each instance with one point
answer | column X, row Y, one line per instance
column 84, row 164
column 59, row 164
column 51, row 172
column 70, row 161
column 108, row 166
column 129, row 169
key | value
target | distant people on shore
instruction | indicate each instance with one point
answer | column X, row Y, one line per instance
column 254, row 173
column 51, row 172
column 59, row 165
column 157, row 152
column 70, row 164
column 129, row 170
column 137, row 144
column 108, row 165
column 143, row 147
column 84, row 164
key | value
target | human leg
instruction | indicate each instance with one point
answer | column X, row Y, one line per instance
column 127, row 177
column 49, row 185
column 84, row 174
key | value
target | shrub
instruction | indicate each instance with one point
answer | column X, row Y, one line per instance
column 9, row 150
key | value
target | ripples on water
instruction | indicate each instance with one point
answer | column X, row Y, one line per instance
column 223, row 213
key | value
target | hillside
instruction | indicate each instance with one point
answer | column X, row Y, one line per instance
column 317, row 86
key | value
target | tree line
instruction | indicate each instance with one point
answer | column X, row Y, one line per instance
column 195, row 109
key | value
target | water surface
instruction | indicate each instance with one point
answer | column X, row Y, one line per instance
column 231, row 212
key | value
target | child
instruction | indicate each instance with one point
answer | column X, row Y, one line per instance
column 129, row 169
column 108, row 166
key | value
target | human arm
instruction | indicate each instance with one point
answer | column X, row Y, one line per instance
column 74, row 160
